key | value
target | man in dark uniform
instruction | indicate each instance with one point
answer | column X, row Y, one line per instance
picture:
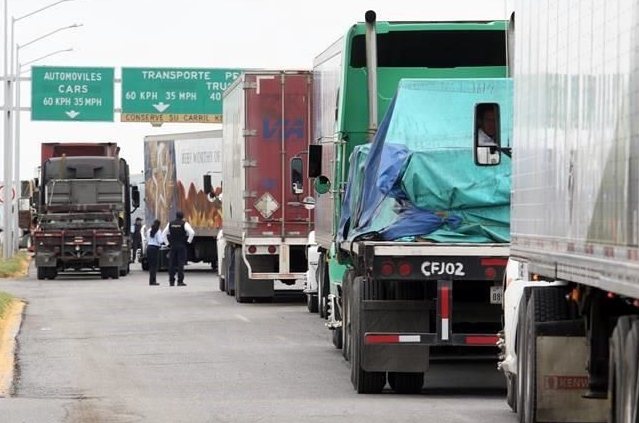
column 178, row 233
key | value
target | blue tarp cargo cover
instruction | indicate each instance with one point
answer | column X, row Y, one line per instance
column 418, row 181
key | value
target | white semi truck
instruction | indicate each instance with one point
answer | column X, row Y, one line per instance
column 570, row 344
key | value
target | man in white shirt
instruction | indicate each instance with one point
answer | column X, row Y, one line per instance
column 178, row 233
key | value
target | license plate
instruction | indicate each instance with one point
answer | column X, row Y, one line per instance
column 496, row 294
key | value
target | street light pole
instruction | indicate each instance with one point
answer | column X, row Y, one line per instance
column 16, row 118
column 16, row 166
column 41, row 58
column 8, row 125
column 6, row 224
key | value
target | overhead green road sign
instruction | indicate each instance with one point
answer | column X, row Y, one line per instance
column 174, row 94
column 72, row 94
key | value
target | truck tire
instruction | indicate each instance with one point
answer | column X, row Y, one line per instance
column 511, row 391
column 311, row 303
column 616, row 368
column 520, row 348
column 545, row 304
column 221, row 283
column 322, row 286
column 630, row 367
column 221, row 274
column 42, row 273
column 347, row 287
column 405, row 382
column 364, row 382
column 105, row 272
column 229, row 271
column 241, row 273
column 347, row 336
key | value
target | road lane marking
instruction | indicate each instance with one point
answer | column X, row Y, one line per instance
column 242, row 318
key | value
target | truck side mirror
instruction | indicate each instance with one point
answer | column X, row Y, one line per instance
column 297, row 179
column 486, row 143
column 208, row 187
column 135, row 196
column 314, row 160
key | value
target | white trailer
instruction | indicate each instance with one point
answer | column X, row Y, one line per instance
column 570, row 344
column 183, row 172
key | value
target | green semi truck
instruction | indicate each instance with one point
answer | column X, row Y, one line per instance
column 394, row 291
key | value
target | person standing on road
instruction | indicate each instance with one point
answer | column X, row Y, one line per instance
column 178, row 234
column 154, row 241
column 136, row 237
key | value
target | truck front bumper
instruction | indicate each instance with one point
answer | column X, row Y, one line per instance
column 46, row 259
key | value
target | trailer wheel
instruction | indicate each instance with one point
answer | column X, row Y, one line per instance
column 105, row 272
column 630, row 367
column 221, row 273
column 311, row 303
column 221, row 282
column 511, row 391
column 229, row 271
column 145, row 263
column 322, row 286
column 51, row 273
column 318, row 274
column 521, row 348
column 42, row 273
column 347, row 287
column 616, row 388
column 546, row 304
column 241, row 274
column 364, row 382
column 406, row 383
column 115, row 272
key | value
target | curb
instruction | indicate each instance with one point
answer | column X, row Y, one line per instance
column 9, row 327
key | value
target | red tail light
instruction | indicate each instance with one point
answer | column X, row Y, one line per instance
column 252, row 249
column 490, row 273
column 405, row 269
column 387, row 269
column 272, row 249
column 494, row 262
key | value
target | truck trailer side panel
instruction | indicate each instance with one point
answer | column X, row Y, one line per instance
column 575, row 203
column 174, row 167
column 572, row 282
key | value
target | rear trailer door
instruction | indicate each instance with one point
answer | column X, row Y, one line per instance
column 277, row 118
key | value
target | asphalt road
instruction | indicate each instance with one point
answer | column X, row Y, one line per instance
column 121, row 351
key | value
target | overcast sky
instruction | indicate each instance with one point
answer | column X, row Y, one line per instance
column 276, row 34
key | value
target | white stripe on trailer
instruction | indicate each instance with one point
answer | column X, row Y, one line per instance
column 409, row 338
column 445, row 329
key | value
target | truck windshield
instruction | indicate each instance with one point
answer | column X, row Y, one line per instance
column 434, row 49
